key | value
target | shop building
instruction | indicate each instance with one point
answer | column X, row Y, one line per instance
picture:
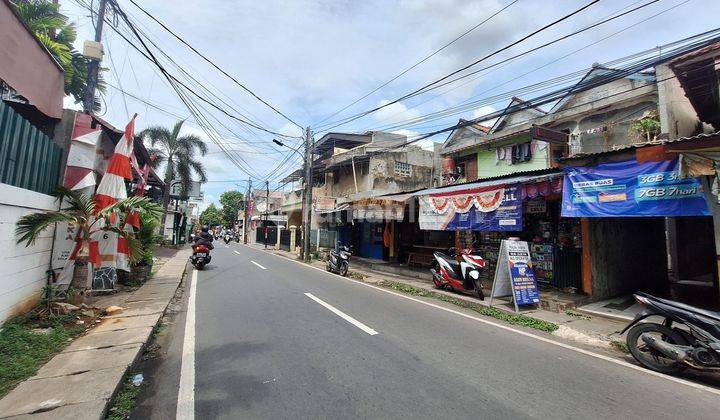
column 349, row 200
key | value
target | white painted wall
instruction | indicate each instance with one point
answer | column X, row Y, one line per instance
column 22, row 269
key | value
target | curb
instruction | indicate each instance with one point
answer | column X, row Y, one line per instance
column 144, row 346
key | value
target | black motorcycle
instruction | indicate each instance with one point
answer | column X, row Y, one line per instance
column 339, row 261
column 687, row 337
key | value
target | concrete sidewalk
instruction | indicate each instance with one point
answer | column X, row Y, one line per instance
column 79, row 382
column 580, row 328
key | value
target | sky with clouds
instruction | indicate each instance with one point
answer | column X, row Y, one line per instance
column 311, row 58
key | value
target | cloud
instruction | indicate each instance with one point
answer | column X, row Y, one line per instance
column 395, row 113
column 426, row 144
column 481, row 112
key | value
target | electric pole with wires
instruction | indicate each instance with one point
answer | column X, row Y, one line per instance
column 246, row 217
column 307, row 195
column 267, row 208
column 94, row 64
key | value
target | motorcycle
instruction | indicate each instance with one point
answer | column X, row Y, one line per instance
column 669, row 349
column 339, row 261
column 200, row 256
column 463, row 276
column 237, row 237
column 227, row 238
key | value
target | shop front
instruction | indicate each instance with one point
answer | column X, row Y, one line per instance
column 650, row 229
column 481, row 214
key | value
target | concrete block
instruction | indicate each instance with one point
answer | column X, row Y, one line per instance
column 111, row 324
column 98, row 339
column 76, row 362
column 44, row 394
column 142, row 308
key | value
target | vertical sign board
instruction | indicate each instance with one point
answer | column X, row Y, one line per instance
column 514, row 275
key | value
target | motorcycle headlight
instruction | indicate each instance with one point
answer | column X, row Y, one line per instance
column 474, row 275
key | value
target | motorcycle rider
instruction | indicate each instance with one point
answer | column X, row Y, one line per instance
column 205, row 237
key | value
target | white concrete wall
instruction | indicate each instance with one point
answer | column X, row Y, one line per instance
column 22, row 269
column 677, row 116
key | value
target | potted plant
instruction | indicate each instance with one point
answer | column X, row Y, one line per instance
column 78, row 210
column 146, row 237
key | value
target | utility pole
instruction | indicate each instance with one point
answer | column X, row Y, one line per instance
column 94, row 65
column 247, row 212
column 267, row 208
column 307, row 196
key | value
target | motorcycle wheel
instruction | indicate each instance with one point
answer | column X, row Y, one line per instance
column 478, row 289
column 648, row 357
column 343, row 269
column 327, row 267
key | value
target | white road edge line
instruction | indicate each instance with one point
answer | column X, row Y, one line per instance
column 186, row 392
column 258, row 265
column 524, row 333
column 342, row 315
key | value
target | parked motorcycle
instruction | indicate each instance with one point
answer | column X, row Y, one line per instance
column 339, row 261
column 237, row 237
column 200, row 256
column 463, row 276
column 667, row 348
column 227, row 238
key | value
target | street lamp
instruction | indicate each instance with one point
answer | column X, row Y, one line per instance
column 307, row 190
column 279, row 143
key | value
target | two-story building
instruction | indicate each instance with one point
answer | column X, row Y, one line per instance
column 356, row 173
column 521, row 157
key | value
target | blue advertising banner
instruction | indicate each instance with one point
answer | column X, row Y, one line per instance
column 631, row 189
column 514, row 275
column 525, row 290
column 496, row 209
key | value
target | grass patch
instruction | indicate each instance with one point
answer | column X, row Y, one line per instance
column 124, row 402
column 514, row 319
column 570, row 312
column 620, row 346
column 23, row 351
column 355, row 275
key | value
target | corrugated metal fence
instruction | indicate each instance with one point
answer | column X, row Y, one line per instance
column 28, row 158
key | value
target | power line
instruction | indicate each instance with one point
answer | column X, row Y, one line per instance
column 397, row 76
column 150, row 57
column 431, row 86
column 468, row 104
column 214, row 65
column 522, row 75
column 544, row 99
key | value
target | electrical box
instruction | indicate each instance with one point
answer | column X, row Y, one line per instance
column 93, row 50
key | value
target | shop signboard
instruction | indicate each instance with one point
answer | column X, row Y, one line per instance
column 536, row 206
column 324, row 204
column 498, row 208
column 514, row 275
column 631, row 189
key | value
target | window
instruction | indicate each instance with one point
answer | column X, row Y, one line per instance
column 403, row 169
column 364, row 168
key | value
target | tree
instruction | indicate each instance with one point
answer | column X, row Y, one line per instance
column 232, row 202
column 80, row 212
column 211, row 216
column 178, row 154
column 58, row 35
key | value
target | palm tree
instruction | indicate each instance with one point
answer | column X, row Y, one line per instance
column 178, row 154
column 80, row 213
column 57, row 34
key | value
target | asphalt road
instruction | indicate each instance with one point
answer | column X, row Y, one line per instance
column 265, row 349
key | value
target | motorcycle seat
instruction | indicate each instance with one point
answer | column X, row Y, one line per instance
column 685, row 307
column 452, row 262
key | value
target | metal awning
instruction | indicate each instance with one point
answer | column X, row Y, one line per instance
column 460, row 188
